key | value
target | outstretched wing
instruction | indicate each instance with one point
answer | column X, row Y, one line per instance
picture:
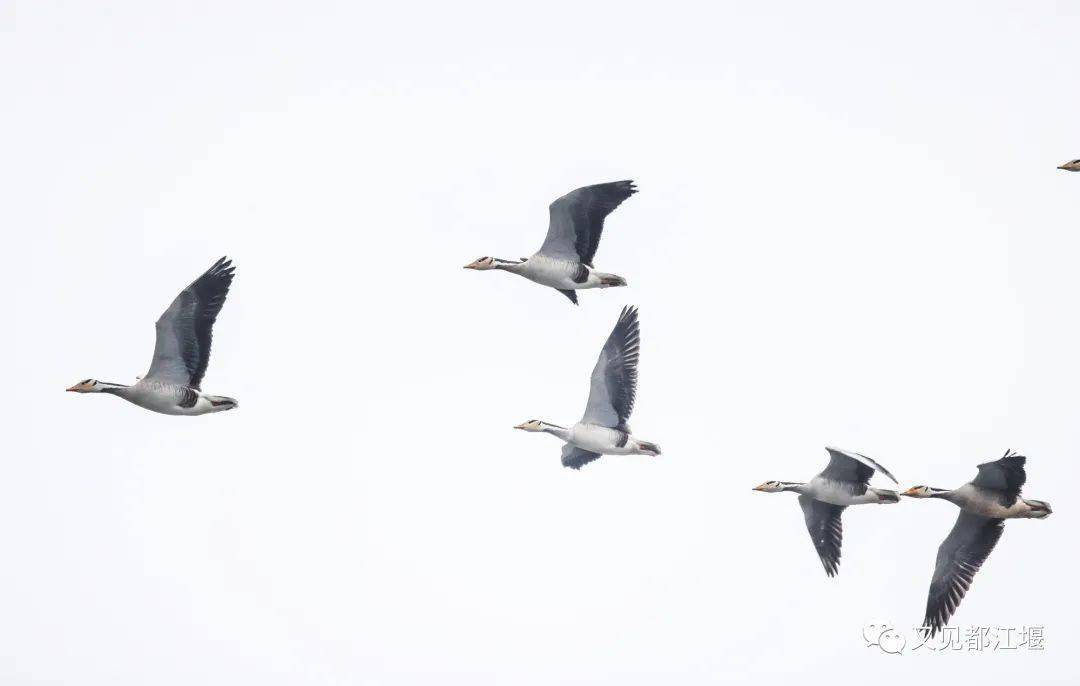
column 185, row 329
column 576, row 458
column 960, row 555
column 826, row 531
column 577, row 220
column 614, row 378
column 845, row 465
column 1006, row 475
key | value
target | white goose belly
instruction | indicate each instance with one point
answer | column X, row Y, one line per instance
column 166, row 399
column 601, row 439
column 836, row 493
column 974, row 500
column 555, row 273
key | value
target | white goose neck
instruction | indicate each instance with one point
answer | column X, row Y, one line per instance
column 559, row 431
column 113, row 388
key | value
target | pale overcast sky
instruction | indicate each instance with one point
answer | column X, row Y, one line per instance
column 850, row 231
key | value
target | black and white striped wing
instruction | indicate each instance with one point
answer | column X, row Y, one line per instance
column 576, row 458
column 614, row 378
column 185, row 329
column 959, row 557
column 577, row 220
column 826, row 531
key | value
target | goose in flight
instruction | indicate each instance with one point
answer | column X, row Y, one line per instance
column 1072, row 165
column 565, row 260
column 845, row 481
column 181, row 353
column 985, row 503
column 603, row 430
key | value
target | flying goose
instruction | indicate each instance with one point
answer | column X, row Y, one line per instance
column 845, row 481
column 985, row 503
column 565, row 260
column 603, row 429
column 1072, row 165
column 181, row 353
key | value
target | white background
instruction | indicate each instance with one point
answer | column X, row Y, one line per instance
column 850, row 231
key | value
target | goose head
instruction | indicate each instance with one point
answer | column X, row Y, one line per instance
column 923, row 492
column 1072, row 166
column 482, row 263
column 770, row 487
column 533, row 425
column 87, row 386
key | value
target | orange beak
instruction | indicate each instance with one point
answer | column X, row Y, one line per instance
column 910, row 491
column 471, row 265
column 521, row 425
column 74, row 388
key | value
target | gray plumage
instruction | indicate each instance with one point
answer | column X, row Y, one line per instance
column 855, row 468
column 185, row 329
column 826, row 530
column 575, row 457
column 577, row 220
column 972, row 538
column 1005, row 475
column 614, row 378
column 847, row 473
column 959, row 557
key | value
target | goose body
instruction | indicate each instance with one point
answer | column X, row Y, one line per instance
column 561, row 274
column 166, row 398
column 603, row 429
column 844, row 482
column 985, row 503
column 608, row 441
column 181, row 352
column 565, row 260
column 843, row 493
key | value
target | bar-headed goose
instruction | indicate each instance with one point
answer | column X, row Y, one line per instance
column 603, row 430
column 1072, row 165
column 845, row 481
column 181, row 353
column 565, row 260
column 985, row 503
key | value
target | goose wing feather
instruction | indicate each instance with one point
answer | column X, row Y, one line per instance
column 826, row 531
column 845, row 465
column 185, row 329
column 577, row 220
column 614, row 378
column 959, row 557
column 576, row 458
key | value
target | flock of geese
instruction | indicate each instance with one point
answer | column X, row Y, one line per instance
column 184, row 332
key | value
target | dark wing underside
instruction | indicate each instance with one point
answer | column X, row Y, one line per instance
column 855, row 468
column 1005, row 475
column 959, row 557
column 576, row 458
column 613, row 384
column 577, row 220
column 826, row 531
column 185, row 329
